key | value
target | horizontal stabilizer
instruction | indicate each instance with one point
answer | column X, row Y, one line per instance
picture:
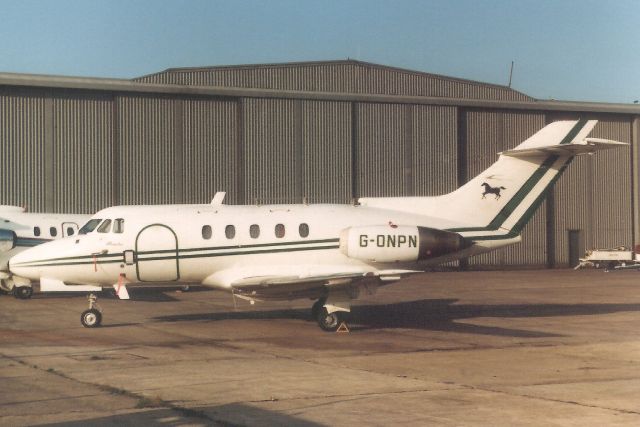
column 55, row 285
column 586, row 146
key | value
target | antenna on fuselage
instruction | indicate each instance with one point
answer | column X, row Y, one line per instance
column 218, row 198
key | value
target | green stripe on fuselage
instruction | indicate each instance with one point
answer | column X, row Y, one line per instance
column 239, row 250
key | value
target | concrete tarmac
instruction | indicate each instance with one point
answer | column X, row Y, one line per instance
column 523, row 348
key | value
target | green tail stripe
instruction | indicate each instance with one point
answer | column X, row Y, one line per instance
column 574, row 131
column 519, row 226
column 524, row 191
column 515, row 201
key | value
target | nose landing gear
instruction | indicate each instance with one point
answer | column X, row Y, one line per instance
column 92, row 317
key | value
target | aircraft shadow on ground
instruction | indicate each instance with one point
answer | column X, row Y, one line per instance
column 231, row 415
column 429, row 314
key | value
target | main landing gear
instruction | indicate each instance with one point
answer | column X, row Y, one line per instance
column 23, row 292
column 92, row 317
column 330, row 315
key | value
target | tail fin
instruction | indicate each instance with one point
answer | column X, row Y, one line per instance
column 499, row 202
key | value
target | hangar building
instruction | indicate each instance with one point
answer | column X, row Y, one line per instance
column 314, row 131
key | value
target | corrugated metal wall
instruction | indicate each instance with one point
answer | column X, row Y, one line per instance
column 433, row 149
column 335, row 76
column 22, row 150
column 210, row 150
column 593, row 195
column 380, row 150
column 611, row 178
column 326, row 151
column 271, row 151
column 488, row 133
column 82, row 153
column 147, row 150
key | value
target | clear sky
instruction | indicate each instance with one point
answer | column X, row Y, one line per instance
column 564, row 49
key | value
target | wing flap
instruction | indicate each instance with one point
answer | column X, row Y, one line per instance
column 301, row 285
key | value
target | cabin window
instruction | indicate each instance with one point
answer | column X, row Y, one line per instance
column 118, row 225
column 279, row 231
column 70, row 231
column 36, row 231
column 303, row 229
column 105, row 226
column 53, row 231
column 230, row 231
column 254, row 231
column 206, row 232
column 89, row 226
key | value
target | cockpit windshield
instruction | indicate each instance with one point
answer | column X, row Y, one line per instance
column 89, row 226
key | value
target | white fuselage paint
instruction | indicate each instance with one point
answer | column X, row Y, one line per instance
column 168, row 244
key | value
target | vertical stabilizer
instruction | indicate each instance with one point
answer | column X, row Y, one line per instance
column 499, row 202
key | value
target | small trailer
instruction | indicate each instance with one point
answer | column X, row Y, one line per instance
column 610, row 258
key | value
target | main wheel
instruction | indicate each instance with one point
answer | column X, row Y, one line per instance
column 316, row 307
column 91, row 318
column 23, row 292
column 329, row 322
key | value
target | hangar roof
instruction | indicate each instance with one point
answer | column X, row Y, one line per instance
column 146, row 85
column 344, row 76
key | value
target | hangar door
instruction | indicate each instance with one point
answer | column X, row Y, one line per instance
column 157, row 254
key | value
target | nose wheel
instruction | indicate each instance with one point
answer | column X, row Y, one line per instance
column 92, row 317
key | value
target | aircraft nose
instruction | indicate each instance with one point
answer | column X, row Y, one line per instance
column 25, row 264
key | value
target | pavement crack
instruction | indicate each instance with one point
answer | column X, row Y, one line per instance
column 549, row 399
column 352, row 396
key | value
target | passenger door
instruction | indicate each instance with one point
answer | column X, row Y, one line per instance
column 157, row 254
column 69, row 229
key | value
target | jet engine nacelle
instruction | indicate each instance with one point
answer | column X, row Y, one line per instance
column 386, row 243
column 7, row 240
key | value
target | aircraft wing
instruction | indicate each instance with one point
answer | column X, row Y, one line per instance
column 304, row 285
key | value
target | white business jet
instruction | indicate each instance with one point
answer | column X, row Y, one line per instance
column 20, row 230
column 329, row 253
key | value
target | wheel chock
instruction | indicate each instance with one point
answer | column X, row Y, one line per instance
column 343, row 328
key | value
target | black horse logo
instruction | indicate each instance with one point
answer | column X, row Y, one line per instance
column 491, row 190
